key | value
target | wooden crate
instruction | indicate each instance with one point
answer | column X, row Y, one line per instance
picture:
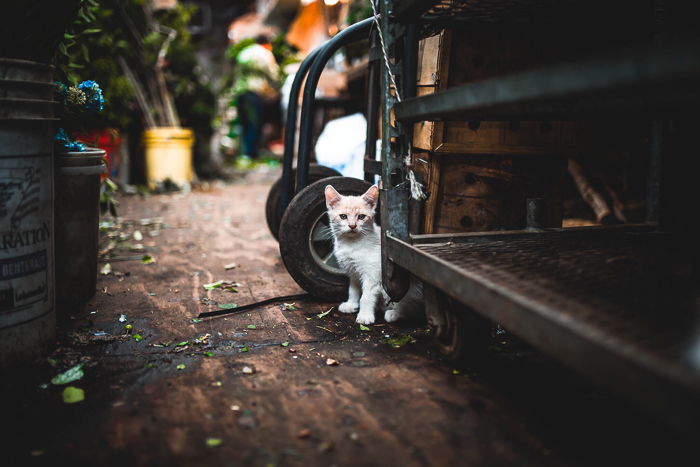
column 479, row 174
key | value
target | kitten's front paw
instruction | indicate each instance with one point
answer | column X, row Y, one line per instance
column 391, row 315
column 347, row 307
column 365, row 317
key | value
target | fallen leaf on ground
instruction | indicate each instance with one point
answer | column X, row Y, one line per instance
column 321, row 315
column 284, row 344
column 70, row 375
column 325, row 446
column 213, row 442
column 212, row 285
column 230, row 266
column 289, row 306
column 398, row 341
column 248, row 370
column 304, row 433
column 181, row 366
column 138, row 236
column 230, row 286
column 227, row 306
column 71, row 395
column 148, row 259
column 106, row 269
column 332, row 362
column 364, row 328
column 204, row 339
column 251, row 326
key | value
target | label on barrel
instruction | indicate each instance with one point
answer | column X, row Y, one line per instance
column 26, row 229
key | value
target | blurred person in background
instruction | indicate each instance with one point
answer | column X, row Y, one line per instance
column 256, row 83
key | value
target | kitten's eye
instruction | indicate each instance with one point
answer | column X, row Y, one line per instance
column 343, row 216
column 361, row 216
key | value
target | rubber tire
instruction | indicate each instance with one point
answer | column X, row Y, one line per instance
column 295, row 228
column 272, row 214
column 466, row 334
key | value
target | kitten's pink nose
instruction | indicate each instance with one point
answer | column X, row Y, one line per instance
column 352, row 226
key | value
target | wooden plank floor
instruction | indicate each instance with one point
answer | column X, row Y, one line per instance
column 163, row 399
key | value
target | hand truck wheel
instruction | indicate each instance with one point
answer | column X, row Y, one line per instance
column 305, row 240
column 460, row 334
column 272, row 210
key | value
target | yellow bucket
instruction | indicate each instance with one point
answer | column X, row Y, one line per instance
column 168, row 152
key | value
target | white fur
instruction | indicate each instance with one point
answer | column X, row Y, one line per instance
column 358, row 252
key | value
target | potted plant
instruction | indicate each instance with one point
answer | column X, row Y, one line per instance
column 78, row 173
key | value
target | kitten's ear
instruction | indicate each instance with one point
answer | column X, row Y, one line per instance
column 332, row 197
column 371, row 196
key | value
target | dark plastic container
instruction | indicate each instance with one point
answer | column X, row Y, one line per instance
column 77, row 227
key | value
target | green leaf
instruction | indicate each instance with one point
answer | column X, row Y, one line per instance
column 289, row 307
column 147, row 259
column 182, row 344
column 197, row 320
column 92, row 31
column 251, row 326
column 227, row 306
column 213, row 442
column 245, row 349
column 364, row 328
column 209, row 354
column 70, row 375
column 398, row 341
column 285, row 344
column 321, row 315
column 138, row 337
column 213, row 285
column 181, row 366
column 71, row 395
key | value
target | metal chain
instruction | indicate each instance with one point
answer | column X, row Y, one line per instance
column 384, row 53
column 416, row 187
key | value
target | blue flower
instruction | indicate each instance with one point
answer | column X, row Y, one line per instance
column 61, row 136
column 65, row 144
column 94, row 100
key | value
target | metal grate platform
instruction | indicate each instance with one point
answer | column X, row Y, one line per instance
column 620, row 305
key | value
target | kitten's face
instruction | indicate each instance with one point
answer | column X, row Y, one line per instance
column 351, row 215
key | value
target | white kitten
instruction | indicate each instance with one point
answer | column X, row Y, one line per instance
column 357, row 245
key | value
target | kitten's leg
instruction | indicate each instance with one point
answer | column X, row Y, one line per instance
column 368, row 303
column 411, row 304
column 350, row 306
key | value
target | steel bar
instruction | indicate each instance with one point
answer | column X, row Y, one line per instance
column 373, row 101
column 563, row 295
column 394, row 193
column 647, row 78
column 290, row 129
column 350, row 34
